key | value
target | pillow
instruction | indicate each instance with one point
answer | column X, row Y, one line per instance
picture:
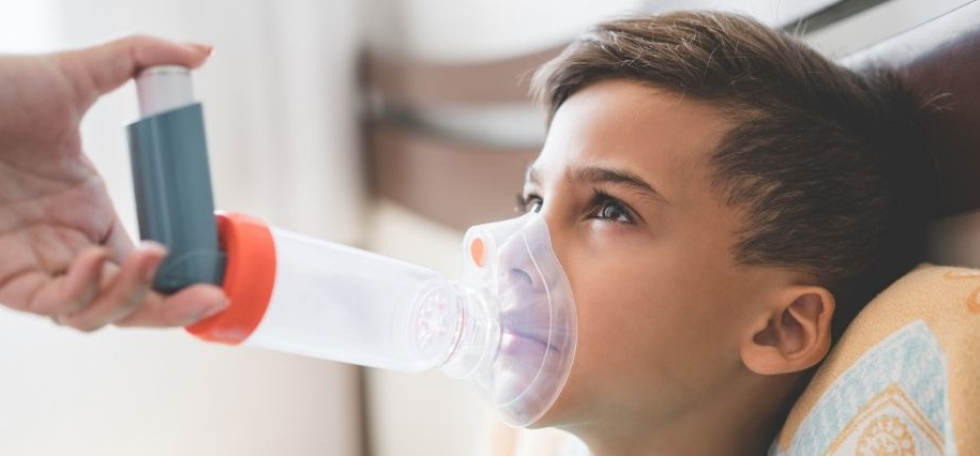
column 903, row 380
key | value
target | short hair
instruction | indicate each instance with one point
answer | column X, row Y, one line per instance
column 829, row 165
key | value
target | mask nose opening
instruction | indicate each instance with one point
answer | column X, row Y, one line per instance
column 478, row 252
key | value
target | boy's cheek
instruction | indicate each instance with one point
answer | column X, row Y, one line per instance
column 639, row 335
column 660, row 302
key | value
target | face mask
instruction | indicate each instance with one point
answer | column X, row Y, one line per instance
column 512, row 274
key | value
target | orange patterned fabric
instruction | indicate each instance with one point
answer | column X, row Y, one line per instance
column 903, row 380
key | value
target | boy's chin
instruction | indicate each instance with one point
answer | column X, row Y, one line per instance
column 558, row 413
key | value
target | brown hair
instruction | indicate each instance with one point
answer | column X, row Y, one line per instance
column 828, row 164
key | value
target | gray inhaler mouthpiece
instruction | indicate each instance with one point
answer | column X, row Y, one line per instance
column 168, row 153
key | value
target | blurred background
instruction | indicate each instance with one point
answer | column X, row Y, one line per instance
column 391, row 125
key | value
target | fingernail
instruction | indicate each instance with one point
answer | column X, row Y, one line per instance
column 153, row 245
column 151, row 271
column 214, row 310
column 205, row 49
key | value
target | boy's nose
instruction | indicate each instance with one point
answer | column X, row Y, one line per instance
column 517, row 269
column 558, row 230
column 527, row 258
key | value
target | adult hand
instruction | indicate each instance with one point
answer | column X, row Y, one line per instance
column 63, row 250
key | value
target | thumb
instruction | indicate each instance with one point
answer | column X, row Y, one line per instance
column 97, row 70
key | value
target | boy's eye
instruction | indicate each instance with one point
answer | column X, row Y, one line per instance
column 529, row 203
column 605, row 207
column 602, row 207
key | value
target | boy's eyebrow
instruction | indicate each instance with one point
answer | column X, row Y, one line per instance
column 598, row 175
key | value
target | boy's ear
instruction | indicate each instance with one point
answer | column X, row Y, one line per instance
column 793, row 335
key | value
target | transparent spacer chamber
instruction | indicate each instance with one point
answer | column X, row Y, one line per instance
column 508, row 326
column 349, row 305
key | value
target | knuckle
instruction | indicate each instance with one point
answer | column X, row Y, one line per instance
column 137, row 39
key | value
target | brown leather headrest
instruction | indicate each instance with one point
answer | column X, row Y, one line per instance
column 941, row 61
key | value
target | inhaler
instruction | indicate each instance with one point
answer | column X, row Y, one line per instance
column 508, row 325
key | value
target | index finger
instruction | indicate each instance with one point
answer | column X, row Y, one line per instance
column 101, row 69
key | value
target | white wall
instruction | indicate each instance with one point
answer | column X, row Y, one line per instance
column 279, row 97
column 143, row 392
column 776, row 13
column 467, row 30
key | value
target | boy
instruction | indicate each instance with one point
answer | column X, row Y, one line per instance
column 723, row 200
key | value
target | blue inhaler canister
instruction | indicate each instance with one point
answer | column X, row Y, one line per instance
column 169, row 157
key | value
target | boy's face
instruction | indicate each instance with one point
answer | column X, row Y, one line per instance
column 624, row 182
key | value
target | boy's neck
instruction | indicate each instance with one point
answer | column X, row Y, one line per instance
column 742, row 420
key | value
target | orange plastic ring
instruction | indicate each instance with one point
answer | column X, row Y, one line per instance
column 250, row 273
